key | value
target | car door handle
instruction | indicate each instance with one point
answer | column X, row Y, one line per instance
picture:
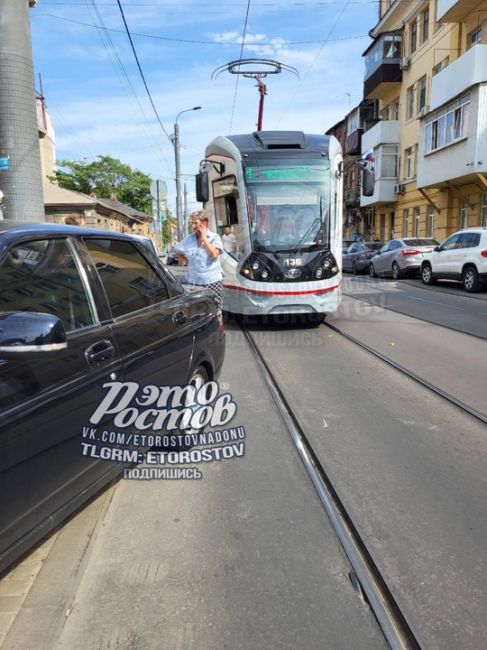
column 179, row 318
column 99, row 352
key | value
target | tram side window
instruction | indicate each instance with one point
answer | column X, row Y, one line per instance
column 227, row 210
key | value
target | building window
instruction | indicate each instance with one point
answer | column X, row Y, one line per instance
column 405, row 222
column 413, row 36
column 410, row 102
column 425, row 25
column 475, row 37
column 464, row 214
column 421, row 93
column 431, row 222
column 387, row 161
column 439, row 66
column 484, row 210
column 417, row 216
column 449, row 126
column 409, row 155
column 396, row 109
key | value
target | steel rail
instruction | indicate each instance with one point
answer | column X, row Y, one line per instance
column 398, row 633
column 409, row 373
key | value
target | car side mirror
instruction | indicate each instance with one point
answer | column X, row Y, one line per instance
column 437, row 249
column 27, row 332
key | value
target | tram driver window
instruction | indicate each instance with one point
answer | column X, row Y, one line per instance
column 227, row 210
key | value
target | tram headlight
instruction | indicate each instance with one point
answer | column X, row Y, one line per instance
column 319, row 273
column 246, row 272
column 326, row 264
column 264, row 275
column 255, row 265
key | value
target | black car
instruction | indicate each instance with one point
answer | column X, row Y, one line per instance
column 82, row 309
column 358, row 255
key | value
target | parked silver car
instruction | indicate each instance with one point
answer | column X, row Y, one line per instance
column 358, row 255
column 400, row 257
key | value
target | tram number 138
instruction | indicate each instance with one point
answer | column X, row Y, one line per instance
column 293, row 261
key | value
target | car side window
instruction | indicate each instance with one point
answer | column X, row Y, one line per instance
column 41, row 275
column 450, row 243
column 130, row 282
column 393, row 245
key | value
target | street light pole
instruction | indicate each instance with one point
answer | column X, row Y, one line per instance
column 177, row 160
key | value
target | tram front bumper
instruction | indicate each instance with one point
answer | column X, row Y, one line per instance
column 250, row 301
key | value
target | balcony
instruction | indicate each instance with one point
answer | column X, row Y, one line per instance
column 468, row 70
column 454, row 11
column 459, row 132
column 384, row 132
column 382, row 64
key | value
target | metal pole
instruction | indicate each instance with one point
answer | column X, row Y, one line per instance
column 179, row 199
column 178, row 179
column 20, row 161
column 185, row 210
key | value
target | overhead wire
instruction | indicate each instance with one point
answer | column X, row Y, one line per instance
column 318, row 54
column 141, row 72
column 240, row 58
column 188, row 40
column 124, row 78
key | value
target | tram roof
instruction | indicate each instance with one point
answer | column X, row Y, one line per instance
column 251, row 143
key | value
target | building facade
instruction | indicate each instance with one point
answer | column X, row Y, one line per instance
column 427, row 69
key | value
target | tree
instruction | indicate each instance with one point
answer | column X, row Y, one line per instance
column 107, row 177
column 168, row 228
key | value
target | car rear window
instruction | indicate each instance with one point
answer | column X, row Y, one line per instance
column 421, row 242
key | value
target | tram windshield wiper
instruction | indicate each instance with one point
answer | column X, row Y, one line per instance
column 316, row 222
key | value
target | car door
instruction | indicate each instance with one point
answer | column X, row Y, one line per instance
column 349, row 255
column 460, row 254
column 380, row 261
column 46, row 398
column 154, row 325
column 441, row 260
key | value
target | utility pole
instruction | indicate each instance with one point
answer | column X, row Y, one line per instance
column 177, row 160
column 20, row 161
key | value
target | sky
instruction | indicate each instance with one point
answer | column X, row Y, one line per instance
column 99, row 105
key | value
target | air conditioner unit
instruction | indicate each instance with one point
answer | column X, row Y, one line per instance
column 405, row 62
column 399, row 188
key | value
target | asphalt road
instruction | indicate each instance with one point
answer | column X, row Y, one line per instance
column 243, row 558
column 411, row 469
column 443, row 304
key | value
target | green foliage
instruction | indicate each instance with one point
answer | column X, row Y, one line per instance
column 106, row 177
column 168, row 228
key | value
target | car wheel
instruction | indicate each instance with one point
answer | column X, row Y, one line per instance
column 354, row 267
column 470, row 279
column 199, row 377
column 396, row 271
column 427, row 274
column 372, row 272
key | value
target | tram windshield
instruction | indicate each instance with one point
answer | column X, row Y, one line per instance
column 288, row 204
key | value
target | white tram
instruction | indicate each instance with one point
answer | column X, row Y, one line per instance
column 280, row 192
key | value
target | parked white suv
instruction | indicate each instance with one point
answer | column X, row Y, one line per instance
column 462, row 257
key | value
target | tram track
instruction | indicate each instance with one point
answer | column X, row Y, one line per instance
column 409, row 373
column 365, row 575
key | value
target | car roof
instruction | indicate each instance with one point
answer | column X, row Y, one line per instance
column 44, row 228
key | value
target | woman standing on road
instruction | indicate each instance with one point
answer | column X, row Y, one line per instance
column 201, row 251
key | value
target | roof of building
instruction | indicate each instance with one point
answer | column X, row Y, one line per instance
column 55, row 195
column 118, row 206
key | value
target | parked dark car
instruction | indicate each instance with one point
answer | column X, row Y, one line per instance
column 81, row 307
column 357, row 256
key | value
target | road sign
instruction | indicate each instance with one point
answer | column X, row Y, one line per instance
column 158, row 190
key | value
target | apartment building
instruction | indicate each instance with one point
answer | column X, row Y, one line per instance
column 427, row 70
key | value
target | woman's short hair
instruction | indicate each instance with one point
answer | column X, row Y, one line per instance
column 199, row 214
